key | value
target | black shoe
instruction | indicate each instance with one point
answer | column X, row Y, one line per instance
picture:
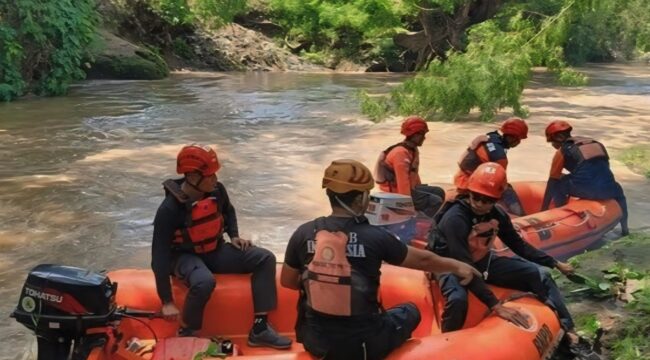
column 186, row 332
column 269, row 338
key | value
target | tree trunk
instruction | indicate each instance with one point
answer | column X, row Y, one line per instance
column 442, row 31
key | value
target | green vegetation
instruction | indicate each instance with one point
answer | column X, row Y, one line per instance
column 210, row 12
column 42, row 44
column 619, row 274
column 489, row 63
column 637, row 158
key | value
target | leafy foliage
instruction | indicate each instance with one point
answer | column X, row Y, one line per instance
column 348, row 26
column 43, row 43
column 214, row 13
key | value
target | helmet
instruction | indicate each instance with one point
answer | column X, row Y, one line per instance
column 413, row 125
column 515, row 127
column 488, row 179
column 199, row 158
column 346, row 175
column 555, row 127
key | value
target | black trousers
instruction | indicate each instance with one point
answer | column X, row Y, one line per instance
column 377, row 339
column 197, row 273
column 513, row 273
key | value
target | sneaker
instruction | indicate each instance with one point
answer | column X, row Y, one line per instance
column 268, row 338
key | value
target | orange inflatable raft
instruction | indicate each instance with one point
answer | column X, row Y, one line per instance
column 229, row 314
column 561, row 232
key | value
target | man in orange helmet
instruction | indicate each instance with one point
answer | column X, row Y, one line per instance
column 493, row 147
column 397, row 168
column 587, row 162
column 349, row 252
column 466, row 230
column 188, row 243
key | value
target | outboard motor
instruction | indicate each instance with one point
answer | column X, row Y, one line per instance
column 60, row 303
column 393, row 212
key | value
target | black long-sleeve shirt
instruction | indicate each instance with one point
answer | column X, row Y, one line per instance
column 170, row 217
column 456, row 225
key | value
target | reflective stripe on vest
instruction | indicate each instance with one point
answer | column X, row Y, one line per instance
column 481, row 237
column 202, row 229
column 576, row 150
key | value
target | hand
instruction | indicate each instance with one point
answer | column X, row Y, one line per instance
column 170, row 312
column 511, row 314
column 565, row 268
column 465, row 272
column 241, row 244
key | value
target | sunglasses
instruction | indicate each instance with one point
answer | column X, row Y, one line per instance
column 482, row 198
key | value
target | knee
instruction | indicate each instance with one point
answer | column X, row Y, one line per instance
column 457, row 302
column 267, row 258
column 204, row 286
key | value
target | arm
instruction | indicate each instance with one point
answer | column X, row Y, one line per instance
column 456, row 231
column 290, row 277
column 554, row 176
column 228, row 211
column 401, row 162
column 164, row 226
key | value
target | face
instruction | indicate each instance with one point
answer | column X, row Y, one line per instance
column 481, row 204
column 205, row 184
column 512, row 141
column 556, row 141
column 418, row 139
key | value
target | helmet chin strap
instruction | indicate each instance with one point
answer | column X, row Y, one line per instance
column 193, row 186
column 349, row 210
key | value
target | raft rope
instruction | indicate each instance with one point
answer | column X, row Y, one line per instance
column 155, row 338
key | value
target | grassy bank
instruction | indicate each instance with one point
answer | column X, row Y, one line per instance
column 637, row 158
column 614, row 297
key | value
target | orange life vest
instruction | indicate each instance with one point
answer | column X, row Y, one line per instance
column 332, row 286
column 481, row 237
column 384, row 173
column 204, row 223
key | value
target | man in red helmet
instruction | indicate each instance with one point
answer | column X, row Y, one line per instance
column 587, row 162
column 397, row 167
column 466, row 229
column 493, row 147
column 188, row 243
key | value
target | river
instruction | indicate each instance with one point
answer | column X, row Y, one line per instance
column 81, row 174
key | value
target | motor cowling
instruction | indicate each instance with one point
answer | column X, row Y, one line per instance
column 66, row 300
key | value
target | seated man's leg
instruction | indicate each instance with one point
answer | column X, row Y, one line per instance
column 399, row 322
column 561, row 191
column 428, row 199
column 227, row 259
column 455, row 294
column 200, row 281
column 523, row 275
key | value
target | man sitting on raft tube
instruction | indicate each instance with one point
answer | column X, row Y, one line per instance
column 466, row 229
column 587, row 162
column 341, row 254
column 493, row 147
column 397, row 168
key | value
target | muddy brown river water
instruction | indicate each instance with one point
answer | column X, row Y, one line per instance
column 80, row 175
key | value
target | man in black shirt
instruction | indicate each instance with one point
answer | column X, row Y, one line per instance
column 465, row 231
column 188, row 243
column 335, row 263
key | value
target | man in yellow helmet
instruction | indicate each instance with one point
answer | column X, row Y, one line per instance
column 349, row 252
